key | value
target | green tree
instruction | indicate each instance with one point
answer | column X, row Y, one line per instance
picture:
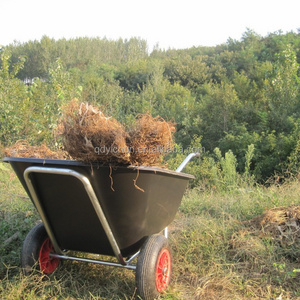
column 187, row 71
column 282, row 89
column 14, row 101
column 218, row 109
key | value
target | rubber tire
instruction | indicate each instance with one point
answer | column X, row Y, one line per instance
column 31, row 249
column 146, row 266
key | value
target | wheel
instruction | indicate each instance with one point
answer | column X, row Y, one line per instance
column 153, row 269
column 35, row 252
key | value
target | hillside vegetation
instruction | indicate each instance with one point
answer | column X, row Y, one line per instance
column 223, row 99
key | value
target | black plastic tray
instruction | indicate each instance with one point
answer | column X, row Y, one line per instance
column 132, row 214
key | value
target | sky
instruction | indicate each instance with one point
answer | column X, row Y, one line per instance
column 166, row 23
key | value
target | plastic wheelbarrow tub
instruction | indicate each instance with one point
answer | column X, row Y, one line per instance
column 113, row 211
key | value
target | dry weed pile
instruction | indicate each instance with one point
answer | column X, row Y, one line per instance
column 23, row 149
column 282, row 223
column 150, row 139
column 88, row 135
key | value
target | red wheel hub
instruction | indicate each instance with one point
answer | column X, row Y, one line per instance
column 47, row 263
column 163, row 270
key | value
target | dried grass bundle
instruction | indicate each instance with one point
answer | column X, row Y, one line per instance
column 23, row 149
column 150, row 139
column 88, row 135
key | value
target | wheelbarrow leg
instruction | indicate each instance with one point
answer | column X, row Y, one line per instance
column 166, row 233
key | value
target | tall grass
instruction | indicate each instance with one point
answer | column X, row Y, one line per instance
column 222, row 257
column 217, row 255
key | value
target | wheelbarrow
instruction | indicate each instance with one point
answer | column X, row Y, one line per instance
column 120, row 212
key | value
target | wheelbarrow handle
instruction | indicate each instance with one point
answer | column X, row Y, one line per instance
column 186, row 160
column 179, row 169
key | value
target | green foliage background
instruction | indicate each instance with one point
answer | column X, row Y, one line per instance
column 238, row 102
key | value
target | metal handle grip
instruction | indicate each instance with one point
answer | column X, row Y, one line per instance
column 187, row 159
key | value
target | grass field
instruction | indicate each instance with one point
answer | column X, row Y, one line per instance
column 218, row 251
